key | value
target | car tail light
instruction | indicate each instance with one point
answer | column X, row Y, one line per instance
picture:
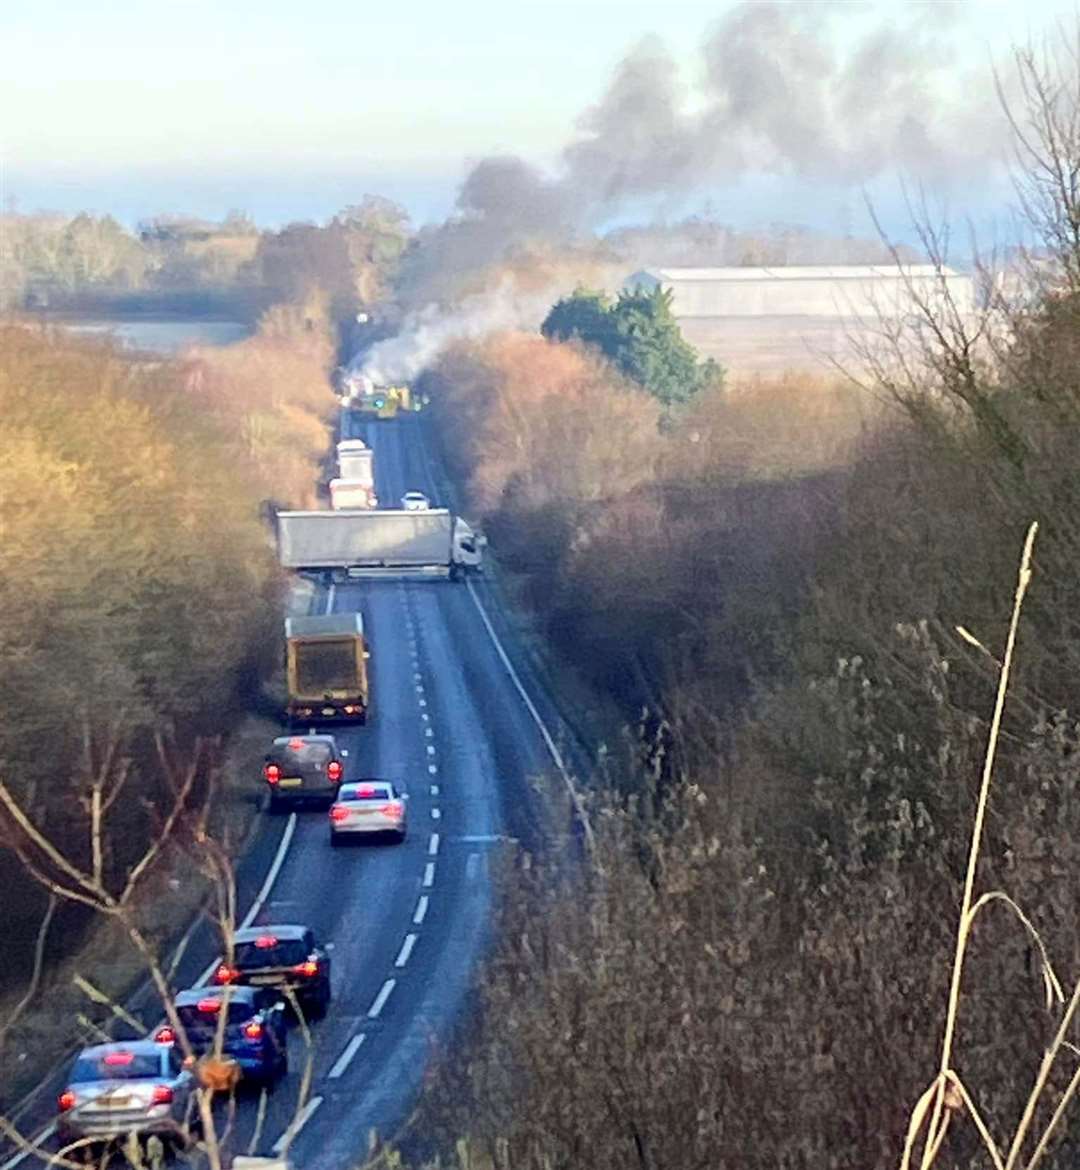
column 308, row 967
column 272, row 773
column 366, row 791
column 333, row 770
column 209, row 1006
column 253, row 1030
column 339, row 812
column 225, row 974
column 165, row 1035
column 66, row 1101
column 394, row 809
column 266, row 942
column 162, row 1095
column 118, row 1059
column 296, row 744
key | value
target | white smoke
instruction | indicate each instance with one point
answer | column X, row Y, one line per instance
column 426, row 332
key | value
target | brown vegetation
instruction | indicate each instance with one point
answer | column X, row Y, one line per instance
column 755, row 969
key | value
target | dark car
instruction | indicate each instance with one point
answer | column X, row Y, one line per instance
column 286, row 958
column 303, row 767
column 251, row 1022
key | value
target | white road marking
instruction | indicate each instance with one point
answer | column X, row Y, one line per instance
column 433, row 844
column 552, row 747
column 429, row 875
column 406, row 950
column 422, row 702
column 298, row 1123
column 345, row 1059
column 429, row 732
column 432, row 768
column 262, row 895
column 434, row 790
column 418, row 677
column 430, row 750
column 330, row 598
column 380, row 1000
column 435, row 814
column 419, row 689
column 425, row 716
column 472, row 865
column 44, row 1136
column 421, row 910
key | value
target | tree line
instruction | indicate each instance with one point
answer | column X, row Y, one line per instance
column 808, row 584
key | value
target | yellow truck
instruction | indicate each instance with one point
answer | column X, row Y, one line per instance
column 381, row 401
column 326, row 658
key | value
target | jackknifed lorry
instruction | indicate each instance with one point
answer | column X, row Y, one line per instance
column 326, row 668
column 345, row 545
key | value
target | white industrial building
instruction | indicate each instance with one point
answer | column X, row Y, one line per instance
column 804, row 291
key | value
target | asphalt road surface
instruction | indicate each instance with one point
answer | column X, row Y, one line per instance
column 463, row 729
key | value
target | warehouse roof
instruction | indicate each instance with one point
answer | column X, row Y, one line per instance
column 786, row 272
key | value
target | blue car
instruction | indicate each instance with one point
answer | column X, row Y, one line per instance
column 253, row 1033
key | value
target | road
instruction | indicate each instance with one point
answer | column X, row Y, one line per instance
column 407, row 924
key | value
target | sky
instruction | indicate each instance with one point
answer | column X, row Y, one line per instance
column 290, row 111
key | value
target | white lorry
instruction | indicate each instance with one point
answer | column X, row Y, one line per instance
column 352, row 493
column 379, row 543
column 356, row 461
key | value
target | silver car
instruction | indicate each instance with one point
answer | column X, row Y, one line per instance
column 368, row 806
column 130, row 1087
column 415, row 502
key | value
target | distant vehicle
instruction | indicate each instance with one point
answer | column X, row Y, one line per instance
column 117, row 1089
column 356, row 461
column 368, row 806
column 253, row 1031
column 415, row 502
column 382, row 542
column 284, row 957
column 381, row 402
column 352, row 493
column 303, row 767
column 326, row 672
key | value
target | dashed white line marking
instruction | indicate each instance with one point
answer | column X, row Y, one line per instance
column 429, row 732
column 418, row 677
column 330, row 597
column 429, row 875
column 435, row 814
column 419, row 689
column 421, row 910
column 434, row 790
column 430, row 750
column 298, row 1123
column 380, row 1000
column 425, row 716
column 433, row 844
column 406, row 950
column 422, row 702
column 345, row 1059
column 472, row 866
column 432, row 768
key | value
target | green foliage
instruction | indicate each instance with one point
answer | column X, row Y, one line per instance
column 639, row 334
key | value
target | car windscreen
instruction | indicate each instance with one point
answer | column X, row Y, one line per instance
column 306, row 755
column 195, row 1018
column 284, row 952
column 116, row 1066
column 365, row 792
column 325, row 665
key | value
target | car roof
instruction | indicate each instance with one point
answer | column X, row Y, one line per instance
column 237, row 994
column 286, row 931
column 366, row 780
column 285, row 740
column 415, row 492
column 138, row 1047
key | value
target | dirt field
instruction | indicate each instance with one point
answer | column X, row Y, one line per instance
column 770, row 345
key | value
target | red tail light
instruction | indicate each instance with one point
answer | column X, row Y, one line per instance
column 254, row 1030
column 209, row 1006
column 333, row 770
column 162, row 1095
column 309, row 967
column 266, row 942
column 394, row 809
column 165, row 1035
column 66, row 1101
column 272, row 773
column 118, row 1059
column 225, row 974
column 339, row 812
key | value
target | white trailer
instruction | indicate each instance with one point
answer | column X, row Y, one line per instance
column 380, row 542
column 352, row 493
column 356, row 461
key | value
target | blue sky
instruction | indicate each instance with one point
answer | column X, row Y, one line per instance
column 290, row 111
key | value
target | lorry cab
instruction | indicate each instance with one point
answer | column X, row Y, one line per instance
column 468, row 547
